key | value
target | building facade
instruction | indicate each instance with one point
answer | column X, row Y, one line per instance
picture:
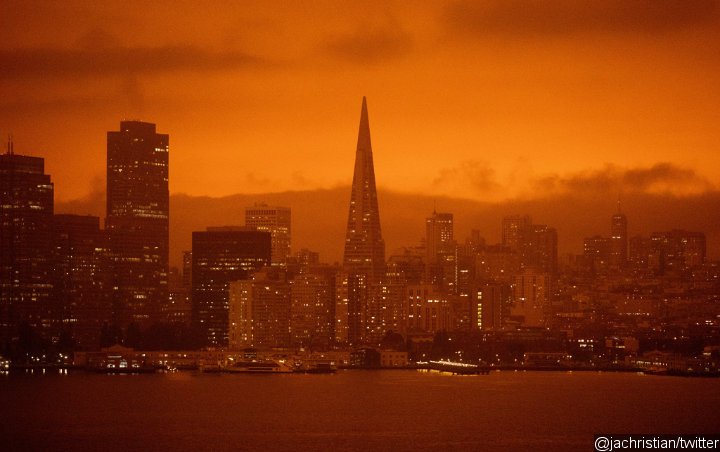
column 26, row 212
column 220, row 256
column 83, row 277
column 276, row 221
column 137, row 221
column 364, row 255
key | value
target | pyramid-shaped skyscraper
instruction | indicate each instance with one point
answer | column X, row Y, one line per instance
column 364, row 246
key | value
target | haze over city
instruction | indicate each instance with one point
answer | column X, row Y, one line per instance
column 453, row 225
column 483, row 102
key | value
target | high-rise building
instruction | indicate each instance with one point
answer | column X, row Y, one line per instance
column 391, row 298
column 497, row 263
column 535, row 243
column 618, row 241
column 531, row 297
column 441, row 257
column 596, row 254
column 426, row 310
column 137, row 220
column 220, row 256
column 439, row 235
column 364, row 245
column 513, row 230
column 83, row 277
column 26, row 212
column 276, row 221
column 364, row 256
column 677, row 250
column 539, row 249
column 313, row 307
column 259, row 310
column 352, row 296
column 639, row 251
column 488, row 303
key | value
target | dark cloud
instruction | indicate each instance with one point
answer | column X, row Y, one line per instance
column 101, row 61
column 558, row 17
column 258, row 180
column 661, row 177
column 370, row 43
column 470, row 173
column 91, row 204
column 319, row 216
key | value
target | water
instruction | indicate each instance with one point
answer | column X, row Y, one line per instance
column 351, row 410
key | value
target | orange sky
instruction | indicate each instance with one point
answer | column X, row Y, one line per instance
column 506, row 99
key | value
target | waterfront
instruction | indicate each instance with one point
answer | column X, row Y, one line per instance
column 351, row 410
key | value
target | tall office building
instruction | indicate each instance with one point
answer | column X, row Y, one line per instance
column 514, row 228
column 488, row 302
column 539, row 249
column 352, row 298
column 259, row 310
column 426, row 309
column 137, row 220
column 364, row 245
column 364, row 256
column 276, row 221
column 26, row 211
column 312, row 307
column 439, row 235
column 639, row 251
column 441, row 258
column 596, row 253
column 618, row 241
column 536, row 244
column 497, row 263
column 677, row 250
column 531, row 296
column 83, row 277
column 220, row 256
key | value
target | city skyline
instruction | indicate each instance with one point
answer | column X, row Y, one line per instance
column 525, row 256
column 503, row 102
column 648, row 213
column 114, row 282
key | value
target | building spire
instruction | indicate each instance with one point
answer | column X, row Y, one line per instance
column 364, row 131
column 10, row 145
column 364, row 246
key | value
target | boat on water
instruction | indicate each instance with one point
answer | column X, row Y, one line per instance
column 316, row 367
column 452, row 367
column 257, row 366
column 209, row 367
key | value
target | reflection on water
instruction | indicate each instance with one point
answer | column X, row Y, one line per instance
column 351, row 410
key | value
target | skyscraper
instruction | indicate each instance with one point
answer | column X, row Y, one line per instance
column 26, row 212
column 137, row 220
column 439, row 235
column 364, row 257
column 536, row 244
column 220, row 256
column 83, row 277
column 312, row 308
column 677, row 250
column 259, row 310
column 514, row 228
column 364, row 246
column 441, row 264
column 276, row 221
column 618, row 241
